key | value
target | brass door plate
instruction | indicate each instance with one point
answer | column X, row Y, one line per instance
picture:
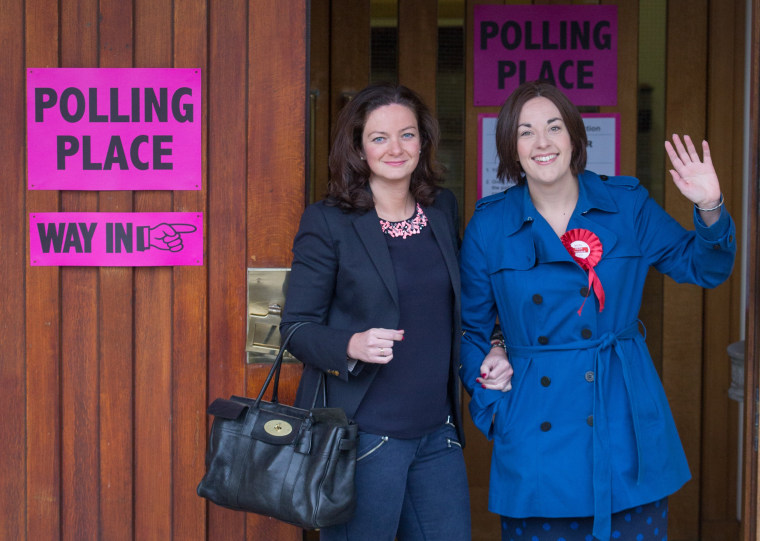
column 266, row 297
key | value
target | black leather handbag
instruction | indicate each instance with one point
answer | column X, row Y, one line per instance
column 284, row 462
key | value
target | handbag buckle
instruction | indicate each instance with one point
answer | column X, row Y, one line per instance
column 278, row 427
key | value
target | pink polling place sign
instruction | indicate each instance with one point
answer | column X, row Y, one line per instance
column 114, row 128
column 573, row 46
column 116, row 239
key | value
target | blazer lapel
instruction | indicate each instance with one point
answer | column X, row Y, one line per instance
column 367, row 226
column 444, row 238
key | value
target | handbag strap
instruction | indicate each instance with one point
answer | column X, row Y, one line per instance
column 322, row 384
column 275, row 370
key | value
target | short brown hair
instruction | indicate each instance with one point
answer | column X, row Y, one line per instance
column 509, row 118
column 349, row 174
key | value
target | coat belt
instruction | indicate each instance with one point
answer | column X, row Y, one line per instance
column 602, row 468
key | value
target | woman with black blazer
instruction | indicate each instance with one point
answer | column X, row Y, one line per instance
column 375, row 271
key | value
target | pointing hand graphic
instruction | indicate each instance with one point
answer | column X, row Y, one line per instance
column 163, row 236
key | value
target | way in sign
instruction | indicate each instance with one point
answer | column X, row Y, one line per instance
column 78, row 237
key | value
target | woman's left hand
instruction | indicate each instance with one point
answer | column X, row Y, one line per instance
column 496, row 371
column 695, row 178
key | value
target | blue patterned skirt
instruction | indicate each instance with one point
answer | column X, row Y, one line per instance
column 643, row 523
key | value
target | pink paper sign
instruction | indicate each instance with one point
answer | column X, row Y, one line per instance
column 573, row 46
column 114, row 128
column 116, row 239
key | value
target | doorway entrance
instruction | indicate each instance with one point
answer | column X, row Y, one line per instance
column 663, row 87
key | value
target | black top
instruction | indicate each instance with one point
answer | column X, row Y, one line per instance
column 409, row 396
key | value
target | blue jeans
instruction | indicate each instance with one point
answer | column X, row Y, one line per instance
column 415, row 489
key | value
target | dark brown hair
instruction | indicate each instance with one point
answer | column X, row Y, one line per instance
column 509, row 117
column 348, row 187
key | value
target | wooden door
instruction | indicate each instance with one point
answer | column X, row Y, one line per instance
column 106, row 372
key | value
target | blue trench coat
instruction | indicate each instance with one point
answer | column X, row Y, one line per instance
column 586, row 429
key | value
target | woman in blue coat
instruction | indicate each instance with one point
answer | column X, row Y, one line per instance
column 584, row 441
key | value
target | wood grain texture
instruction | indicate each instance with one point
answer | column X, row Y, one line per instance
column 227, row 134
column 319, row 72
column 153, row 317
column 349, row 51
column 686, row 97
column 751, row 465
column 116, row 309
column 13, row 224
column 80, row 458
column 190, row 309
column 418, row 47
column 276, row 191
column 722, row 305
column 43, row 317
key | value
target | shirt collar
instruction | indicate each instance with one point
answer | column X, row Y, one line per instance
column 592, row 194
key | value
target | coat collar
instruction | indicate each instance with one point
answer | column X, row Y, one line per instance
column 592, row 194
column 367, row 226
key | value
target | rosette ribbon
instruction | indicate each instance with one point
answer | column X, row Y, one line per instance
column 586, row 249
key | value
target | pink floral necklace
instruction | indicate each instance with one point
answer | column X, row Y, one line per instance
column 405, row 228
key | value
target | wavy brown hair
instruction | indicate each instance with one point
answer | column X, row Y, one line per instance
column 509, row 118
column 348, row 187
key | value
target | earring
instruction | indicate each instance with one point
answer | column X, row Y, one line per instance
column 361, row 157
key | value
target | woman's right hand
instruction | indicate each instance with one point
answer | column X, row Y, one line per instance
column 374, row 345
column 496, row 371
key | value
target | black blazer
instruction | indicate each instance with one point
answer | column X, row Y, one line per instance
column 342, row 279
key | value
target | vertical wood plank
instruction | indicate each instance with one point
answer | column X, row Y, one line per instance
column 418, row 47
column 682, row 304
column 13, row 222
column 79, row 326
column 43, row 313
column 349, row 49
column 718, row 487
column 227, row 131
column 189, row 349
column 277, row 94
column 153, row 323
column 116, row 310
column 751, row 467
column 319, row 71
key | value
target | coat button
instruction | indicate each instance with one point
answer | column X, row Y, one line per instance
column 589, row 376
column 584, row 291
column 537, row 299
column 603, row 177
column 586, row 333
column 546, row 426
column 590, row 420
column 716, row 246
column 333, row 372
column 543, row 340
column 546, row 381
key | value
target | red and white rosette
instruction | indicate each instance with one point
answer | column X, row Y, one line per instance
column 586, row 249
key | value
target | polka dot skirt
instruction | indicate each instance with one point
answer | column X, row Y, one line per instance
column 643, row 523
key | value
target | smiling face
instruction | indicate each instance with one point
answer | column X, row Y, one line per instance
column 391, row 144
column 544, row 148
